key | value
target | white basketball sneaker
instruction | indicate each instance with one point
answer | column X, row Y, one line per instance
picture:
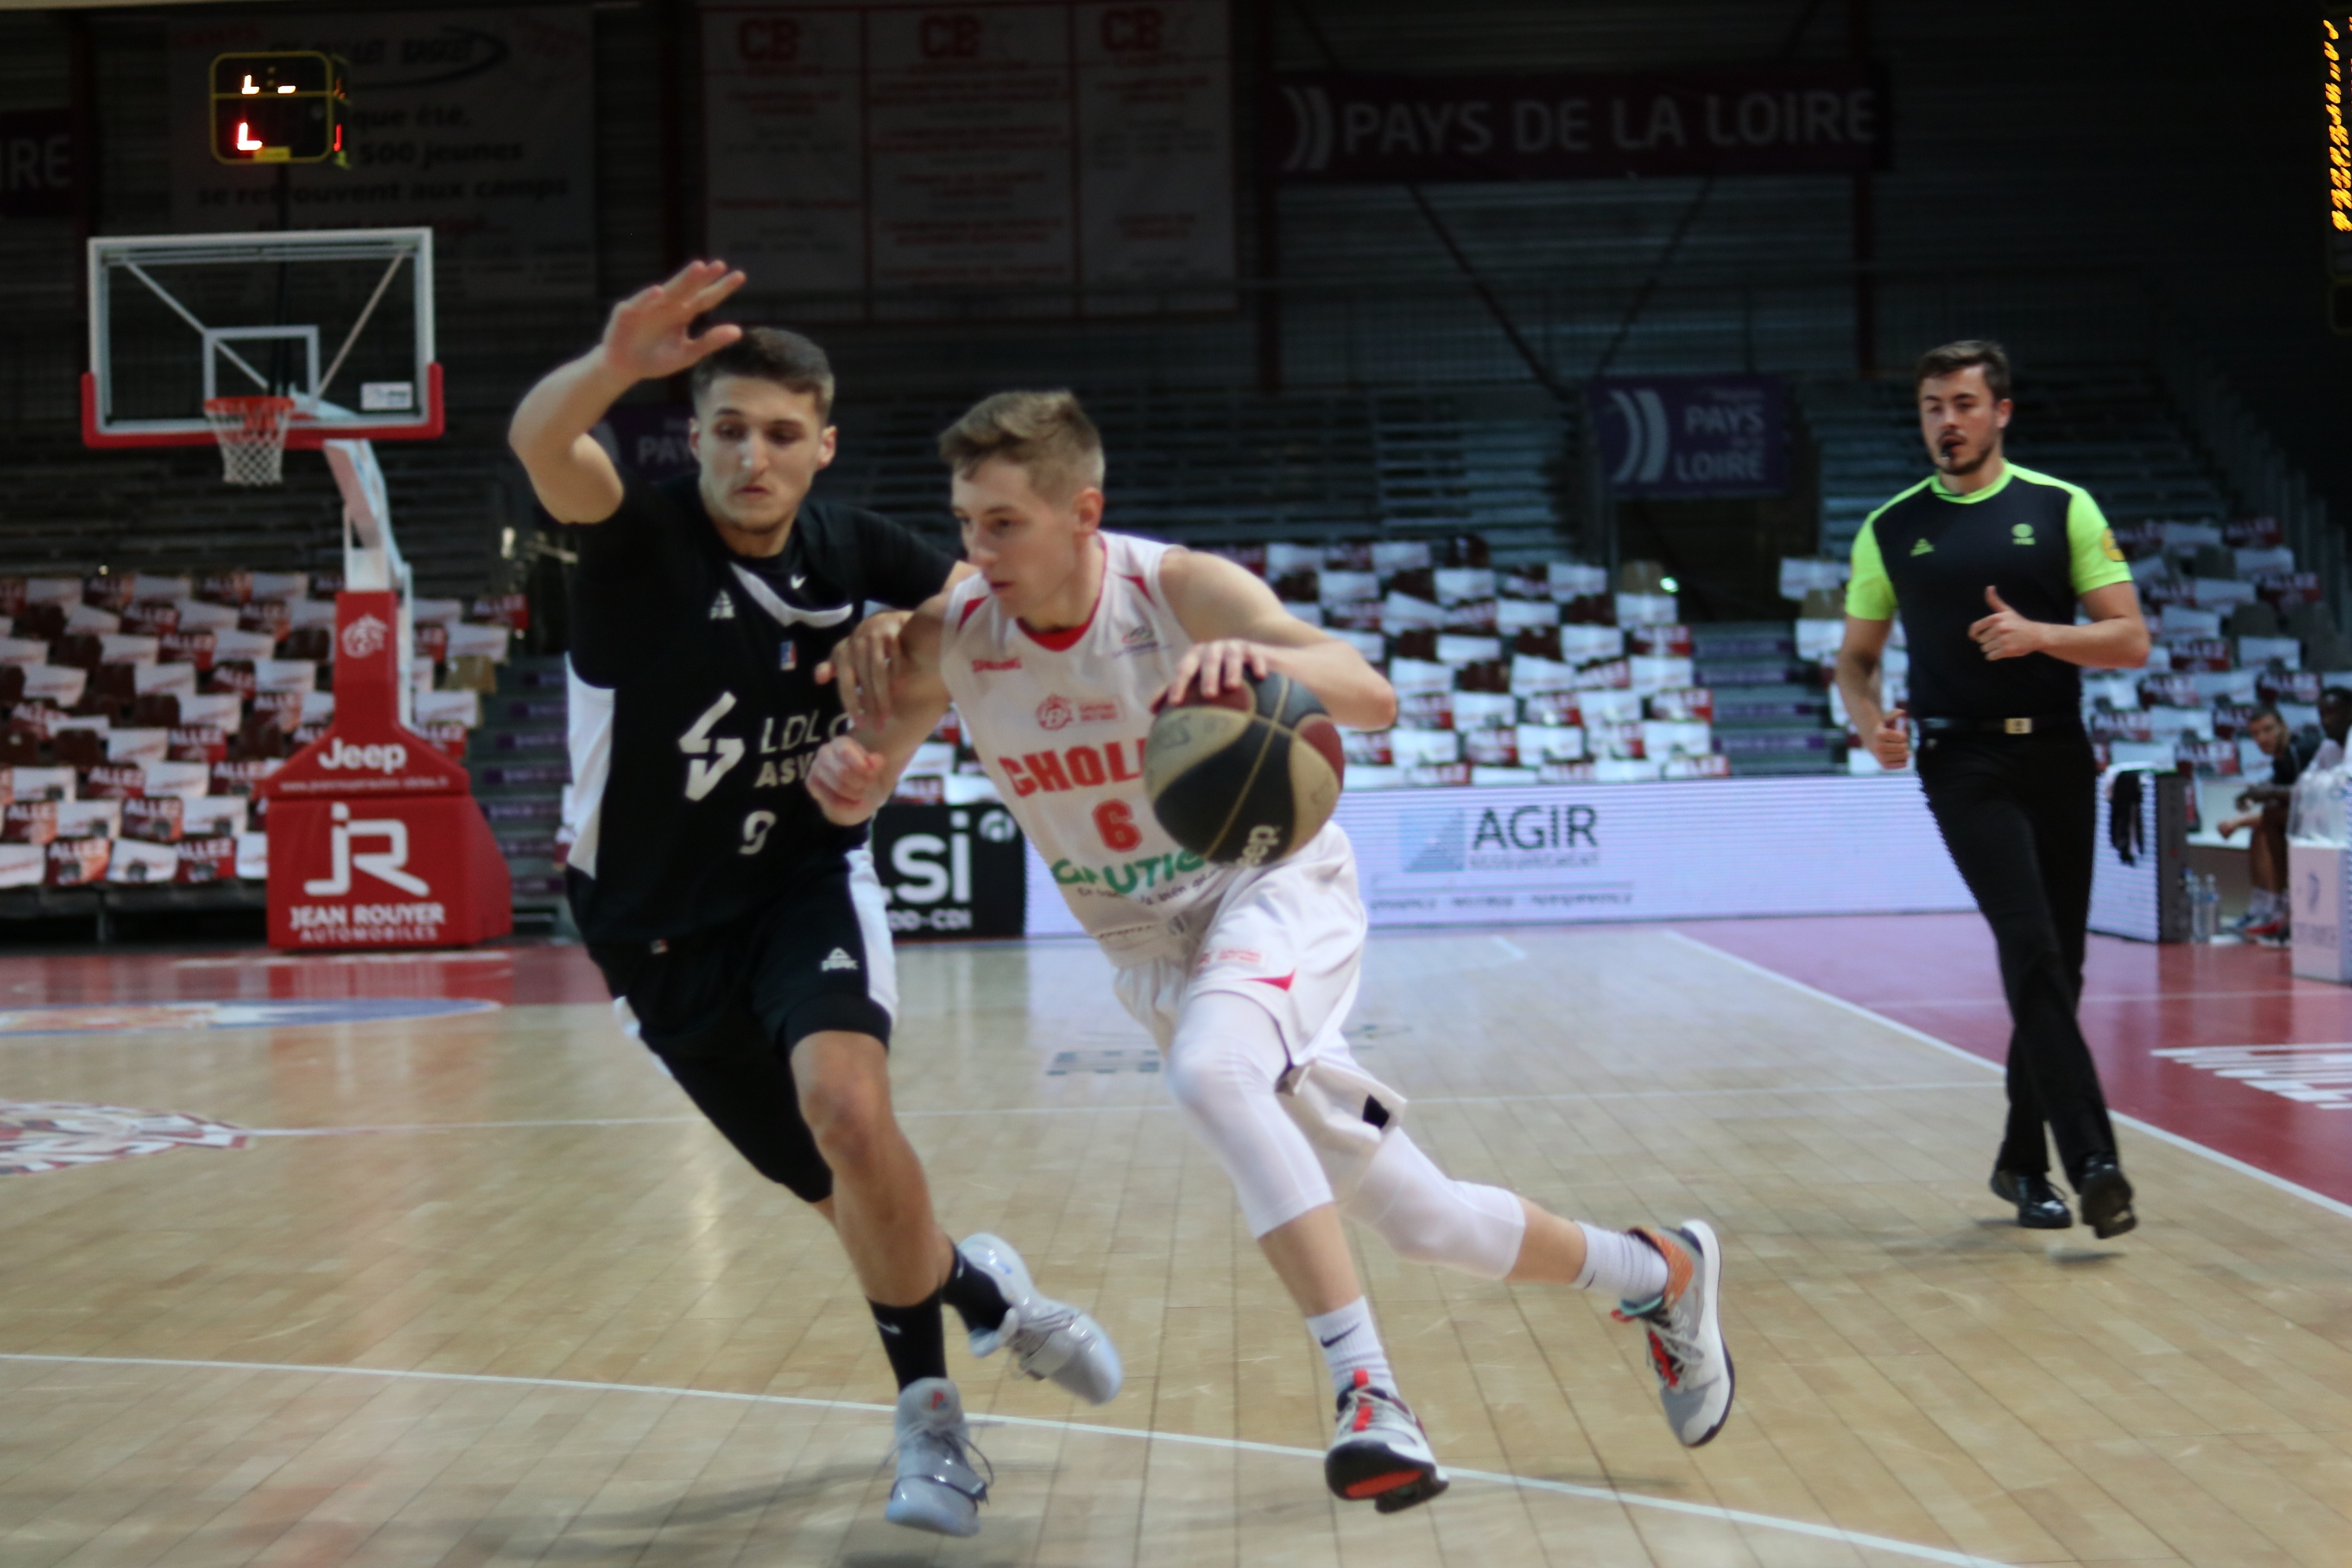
column 937, row 1489
column 1379, row 1451
column 1686, row 1350
column 1050, row 1338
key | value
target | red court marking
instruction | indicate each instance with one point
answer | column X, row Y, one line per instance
column 1938, row 974
column 513, row 976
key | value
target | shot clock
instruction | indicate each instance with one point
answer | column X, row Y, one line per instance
column 282, row 107
column 2335, row 57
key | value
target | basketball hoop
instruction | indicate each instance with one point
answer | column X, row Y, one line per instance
column 252, row 435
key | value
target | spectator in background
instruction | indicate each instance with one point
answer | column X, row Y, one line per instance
column 2263, row 807
column 2334, row 724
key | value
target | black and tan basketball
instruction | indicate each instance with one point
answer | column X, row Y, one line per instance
column 1246, row 776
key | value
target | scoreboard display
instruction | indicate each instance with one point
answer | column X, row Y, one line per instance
column 283, row 107
column 2334, row 53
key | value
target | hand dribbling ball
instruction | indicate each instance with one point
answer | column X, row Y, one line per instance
column 1246, row 776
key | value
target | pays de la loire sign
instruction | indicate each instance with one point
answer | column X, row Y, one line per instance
column 1692, row 436
column 1824, row 118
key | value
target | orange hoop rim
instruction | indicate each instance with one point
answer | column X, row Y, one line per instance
column 249, row 408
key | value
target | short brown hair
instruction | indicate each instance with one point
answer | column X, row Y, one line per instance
column 771, row 353
column 1046, row 433
column 1959, row 356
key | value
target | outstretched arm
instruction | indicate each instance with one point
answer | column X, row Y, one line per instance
column 1238, row 624
column 647, row 338
column 856, row 773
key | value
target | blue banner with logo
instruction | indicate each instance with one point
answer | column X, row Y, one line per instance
column 1692, row 436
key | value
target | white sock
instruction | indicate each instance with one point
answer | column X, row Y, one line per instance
column 1620, row 1264
column 1351, row 1344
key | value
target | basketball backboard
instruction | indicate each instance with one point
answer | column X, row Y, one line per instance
column 341, row 320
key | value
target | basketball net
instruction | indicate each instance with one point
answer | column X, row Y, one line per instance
column 252, row 435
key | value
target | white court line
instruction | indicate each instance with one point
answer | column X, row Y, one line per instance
column 2331, row 1205
column 1233, row 1444
column 1092, row 1110
column 2106, row 996
column 464, row 1126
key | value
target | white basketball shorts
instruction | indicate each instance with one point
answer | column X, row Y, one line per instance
column 1289, row 937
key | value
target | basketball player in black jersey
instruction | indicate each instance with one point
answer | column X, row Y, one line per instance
column 742, row 934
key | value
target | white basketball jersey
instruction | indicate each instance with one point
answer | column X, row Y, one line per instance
column 1059, row 720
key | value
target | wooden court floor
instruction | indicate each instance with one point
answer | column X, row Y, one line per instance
column 479, row 1288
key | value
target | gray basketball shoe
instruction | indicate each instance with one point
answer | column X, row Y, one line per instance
column 1050, row 1338
column 1686, row 1349
column 937, row 1489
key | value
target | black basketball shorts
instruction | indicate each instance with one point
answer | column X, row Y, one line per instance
column 724, row 1009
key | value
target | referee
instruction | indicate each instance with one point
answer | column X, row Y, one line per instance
column 1987, row 563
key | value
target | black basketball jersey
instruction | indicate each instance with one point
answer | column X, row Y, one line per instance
column 1930, row 555
column 695, row 707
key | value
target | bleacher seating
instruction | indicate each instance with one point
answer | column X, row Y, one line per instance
column 68, row 512
column 519, row 766
column 2236, row 624
column 144, row 707
column 1528, row 673
column 1230, row 468
column 2114, row 432
column 1432, row 530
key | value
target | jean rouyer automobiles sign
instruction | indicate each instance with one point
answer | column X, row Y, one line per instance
column 374, row 839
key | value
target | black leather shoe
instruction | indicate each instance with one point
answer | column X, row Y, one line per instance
column 2039, row 1207
column 2107, row 1197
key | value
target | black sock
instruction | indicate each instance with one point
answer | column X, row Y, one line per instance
column 973, row 1294
column 913, row 1339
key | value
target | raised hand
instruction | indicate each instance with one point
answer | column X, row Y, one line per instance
column 2005, row 634
column 1890, row 741
column 647, row 336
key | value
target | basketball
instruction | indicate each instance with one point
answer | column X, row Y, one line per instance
column 1247, row 776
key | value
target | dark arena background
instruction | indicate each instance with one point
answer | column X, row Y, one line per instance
column 1552, row 355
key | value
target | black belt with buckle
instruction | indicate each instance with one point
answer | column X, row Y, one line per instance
column 2030, row 724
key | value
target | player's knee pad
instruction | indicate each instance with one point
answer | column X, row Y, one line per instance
column 1222, row 1064
column 1427, row 1216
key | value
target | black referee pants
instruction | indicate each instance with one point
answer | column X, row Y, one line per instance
column 2020, row 815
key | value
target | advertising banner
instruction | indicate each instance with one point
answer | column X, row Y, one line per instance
column 951, row 871
column 2136, row 890
column 367, row 751
column 480, row 124
column 385, row 873
column 1692, row 436
column 2318, row 888
column 1825, row 117
column 374, row 837
column 1713, row 848
column 1026, row 146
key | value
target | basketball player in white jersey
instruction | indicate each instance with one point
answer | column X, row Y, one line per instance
column 1057, row 654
